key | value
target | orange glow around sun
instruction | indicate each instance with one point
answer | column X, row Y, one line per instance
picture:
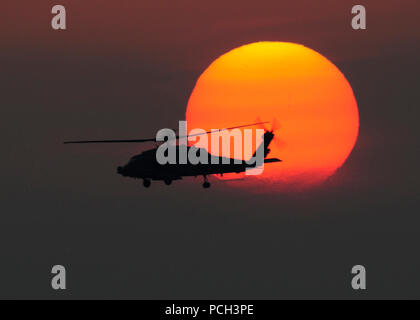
column 307, row 95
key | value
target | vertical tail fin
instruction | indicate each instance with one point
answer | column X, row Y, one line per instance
column 267, row 138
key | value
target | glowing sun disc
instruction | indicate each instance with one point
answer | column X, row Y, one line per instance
column 307, row 94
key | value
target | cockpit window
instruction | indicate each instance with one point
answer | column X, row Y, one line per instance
column 145, row 154
column 135, row 158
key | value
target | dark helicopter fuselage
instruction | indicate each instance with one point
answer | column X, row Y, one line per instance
column 146, row 166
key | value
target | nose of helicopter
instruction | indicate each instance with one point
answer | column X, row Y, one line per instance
column 120, row 170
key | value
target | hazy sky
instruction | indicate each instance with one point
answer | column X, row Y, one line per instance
column 124, row 69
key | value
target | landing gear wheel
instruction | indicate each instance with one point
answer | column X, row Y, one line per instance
column 146, row 183
column 206, row 183
column 168, row 182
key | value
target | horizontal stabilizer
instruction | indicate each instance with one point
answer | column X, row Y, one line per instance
column 271, row 160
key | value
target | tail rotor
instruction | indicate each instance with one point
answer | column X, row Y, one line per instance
column 275, row 126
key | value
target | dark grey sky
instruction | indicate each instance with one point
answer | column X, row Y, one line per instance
column 126, row 69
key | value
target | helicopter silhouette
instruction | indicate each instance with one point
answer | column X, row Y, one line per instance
column 145, row 165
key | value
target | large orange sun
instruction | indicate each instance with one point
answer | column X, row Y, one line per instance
column 307, row 95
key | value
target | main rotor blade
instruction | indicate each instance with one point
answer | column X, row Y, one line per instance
column 208, row 132
column 261, row 124
column 154, row 139
column 111, row 141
